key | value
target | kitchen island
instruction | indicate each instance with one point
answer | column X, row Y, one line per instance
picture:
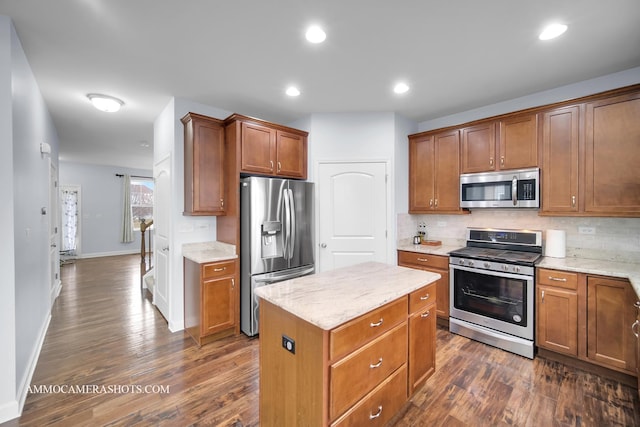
column 345, row 346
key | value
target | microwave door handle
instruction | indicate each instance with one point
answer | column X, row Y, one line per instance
column 514, row 190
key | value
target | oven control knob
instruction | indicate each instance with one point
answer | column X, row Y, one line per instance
column 517, row 269
column 487, row 265
column 505, row 267
column 470, row 263
column 461, row 262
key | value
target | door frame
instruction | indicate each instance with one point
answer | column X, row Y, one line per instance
column 54, row 223
column 390, row 251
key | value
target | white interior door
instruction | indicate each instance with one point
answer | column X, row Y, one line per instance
column 161, row 224
column 352, row 214
column 54, row 227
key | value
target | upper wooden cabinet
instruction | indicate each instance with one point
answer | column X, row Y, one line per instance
column 204, row 183
column 509, row 143
column 612, row 156
column 274, row 150
column 434, row 173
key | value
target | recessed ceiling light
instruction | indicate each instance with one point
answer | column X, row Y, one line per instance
column 552, row 31
column 293, row 91
column 105, row 103
column 401, row 88
column 315, row 34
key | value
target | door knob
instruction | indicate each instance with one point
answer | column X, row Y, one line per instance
column 323, row 245
column 165, row 249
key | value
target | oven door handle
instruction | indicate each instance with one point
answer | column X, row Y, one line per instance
column 453, row 267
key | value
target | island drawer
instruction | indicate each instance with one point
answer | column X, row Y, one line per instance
column 351, row 335
column 422, row 297
column 559, row 279
column 218, row 269
column 418, row 259
column 360, row 372
column 379, row 406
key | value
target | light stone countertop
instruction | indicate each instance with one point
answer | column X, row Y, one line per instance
column 205, row 252
column 426, row 249
column 332, row 298
column 623, row 270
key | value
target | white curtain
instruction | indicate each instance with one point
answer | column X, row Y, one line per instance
column 69, row 220
column 127, row 220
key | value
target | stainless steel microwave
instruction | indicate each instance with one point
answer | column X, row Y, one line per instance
column 504, row 189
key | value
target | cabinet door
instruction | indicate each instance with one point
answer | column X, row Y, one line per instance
column 422, row 347
column 442, row 294
column 258, row 149
column 218, row 305
column 421, row 181
column 557, row 320
column 518, row 142
column 610, row 314
column 560, row 139
column 291, row 155
column 447, row 171
column 612, row 155
column 479, row 148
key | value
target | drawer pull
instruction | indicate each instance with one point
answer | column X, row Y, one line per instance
column 377, row 414
column 376, row 365
column 426, row 314
column 558, row 279
column 423, row 259
column 637, row 304
column 378, row 323
column 634, row 328
column 424, row 298
column 219, row 269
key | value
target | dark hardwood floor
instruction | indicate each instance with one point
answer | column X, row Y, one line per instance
column 108, row 339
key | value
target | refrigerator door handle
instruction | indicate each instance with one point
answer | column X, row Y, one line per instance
column 292, row 217
column 275, row 277
column 286, row 237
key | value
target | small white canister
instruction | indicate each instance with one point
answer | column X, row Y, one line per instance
column 555, row 244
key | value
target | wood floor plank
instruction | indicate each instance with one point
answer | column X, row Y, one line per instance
column 104, row 332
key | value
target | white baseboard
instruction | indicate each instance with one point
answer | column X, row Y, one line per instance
column 9, row 411
column 103, row 254
column 55, row 291
column 23, row 386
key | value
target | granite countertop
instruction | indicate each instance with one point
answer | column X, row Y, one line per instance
column 204, row 252
column 332, row 298
column 623, row 270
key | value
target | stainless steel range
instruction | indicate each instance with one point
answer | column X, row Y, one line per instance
column 492, row 288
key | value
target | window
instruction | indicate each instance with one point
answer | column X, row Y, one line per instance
column 141, row 200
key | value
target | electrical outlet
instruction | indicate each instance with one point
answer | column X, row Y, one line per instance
column 289, row 344
column 587, row 230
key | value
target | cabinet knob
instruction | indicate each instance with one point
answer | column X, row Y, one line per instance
column 491, row 161
column 271, row 163
column 573, row 201
column 637, row 304
column 542, row 297
column 436, row 203
column 279, row 166
column 501, row 160
column 221, row 203
column 634, row 328
column 431, row 203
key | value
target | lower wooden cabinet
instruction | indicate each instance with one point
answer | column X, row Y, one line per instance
column 435, row 264
column 210, row 299
column 422, row 337
column 587, row 317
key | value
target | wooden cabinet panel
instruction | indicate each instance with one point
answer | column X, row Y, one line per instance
column 355, row 333
column 218, row 305
column 291, row 155
column 434, row 173
column 518, row 142
column 612, row 156
column 423, row 297
column 360, row 372
column 379, row 406
column 557, row 319
column 204, row 158
column 610, row 314
column 479, row 148
column 560, row 145
column 218, row 269
column 435, row 264
column 557, row 278
column 635, row 329
column 258, row 149
column 422, row 349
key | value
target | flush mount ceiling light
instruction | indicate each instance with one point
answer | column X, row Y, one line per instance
column 292, row 91
column 400, row 88
column 552, row 31
column 105, row 103
column 315, row 34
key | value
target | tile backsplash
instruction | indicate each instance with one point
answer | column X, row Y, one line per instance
column 614, row 239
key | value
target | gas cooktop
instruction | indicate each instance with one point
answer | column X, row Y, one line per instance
column 488, row 254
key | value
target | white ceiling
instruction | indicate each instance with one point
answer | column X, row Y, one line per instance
column 241, row 55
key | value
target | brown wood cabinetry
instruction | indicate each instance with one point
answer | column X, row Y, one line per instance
column 436, row 264
column 434, row 172
column 587, row 317
column 422, row 336
column 274, row 150
column 635, row 329
column 210, row 299
column 612, row 155
column 204, row 160
column 508, row 143
column 557, row 311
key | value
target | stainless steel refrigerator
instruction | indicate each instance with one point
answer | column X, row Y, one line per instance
column 276, row 238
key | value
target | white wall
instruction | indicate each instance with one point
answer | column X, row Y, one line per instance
column 25, row 124
column 169, row 140
column 101, row 207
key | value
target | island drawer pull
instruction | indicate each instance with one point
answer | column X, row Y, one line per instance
column 378, row 323
column 377, row 414
column 424, row 298
column 376, row 365
column 423, row 259
column 558, row 279
column 426, row 314
column 219, row 269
